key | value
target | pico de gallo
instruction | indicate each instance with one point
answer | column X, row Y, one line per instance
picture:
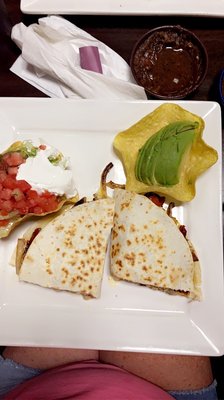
column 17, row 198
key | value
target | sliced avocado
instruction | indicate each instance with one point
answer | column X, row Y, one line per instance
column 159, row 159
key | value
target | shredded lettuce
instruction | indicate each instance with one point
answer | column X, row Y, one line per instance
column 55, row 159
column 28, row 149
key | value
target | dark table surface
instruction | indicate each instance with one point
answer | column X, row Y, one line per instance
column 120, row 33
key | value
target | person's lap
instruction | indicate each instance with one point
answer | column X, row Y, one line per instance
column 158, row 369
column 171, row 372
column 18, row 364
column 184, row 377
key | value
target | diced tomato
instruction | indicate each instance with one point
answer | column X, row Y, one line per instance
column 46, row 201
column 13, row 159
column 32, row 198
column 50, row 205
column 2, row 212
column 4, row 222
column 42, row 147
column 41, row 201
column 21, row 206
column 3, row 175
column 7, row 205
column 5, row 157
column 17, row 194
column 31, row 203
column 12, row 170
column 23, row 185
column 38, row 210
column 9, row 182
column 32, row 194
column 24, row 210
column 5, row 194
column 47, row 194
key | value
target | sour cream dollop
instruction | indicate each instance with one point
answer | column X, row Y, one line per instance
column 43, row 175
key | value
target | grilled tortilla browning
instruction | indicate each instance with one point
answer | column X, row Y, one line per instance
column 148, row 248
column 69, row 252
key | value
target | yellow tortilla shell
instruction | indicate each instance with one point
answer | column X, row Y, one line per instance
column 198, row 159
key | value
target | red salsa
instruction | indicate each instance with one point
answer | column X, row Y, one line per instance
column 168, row 62
column 16, row 196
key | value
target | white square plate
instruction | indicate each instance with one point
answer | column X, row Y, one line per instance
column 213, row 8
column 126, row 316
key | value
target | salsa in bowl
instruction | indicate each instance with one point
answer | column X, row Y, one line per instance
column 170, row 62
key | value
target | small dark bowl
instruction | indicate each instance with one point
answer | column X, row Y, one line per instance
column 221, row 88
column 170, row 62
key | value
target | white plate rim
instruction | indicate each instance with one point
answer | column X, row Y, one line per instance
column 124, row 7
column 16, row 321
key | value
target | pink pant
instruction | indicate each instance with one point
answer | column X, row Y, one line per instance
column 87, row 380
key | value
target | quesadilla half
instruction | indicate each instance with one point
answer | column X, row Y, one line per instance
column 69, row 252
column 148, row 248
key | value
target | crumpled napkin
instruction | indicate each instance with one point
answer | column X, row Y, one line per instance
column 50, row 61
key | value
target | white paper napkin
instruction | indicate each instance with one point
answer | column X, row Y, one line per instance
column 50, row 61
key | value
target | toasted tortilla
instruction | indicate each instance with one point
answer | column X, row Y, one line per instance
column 148, row 248
column 69, row 252
column 39, row 224
column 198, row 158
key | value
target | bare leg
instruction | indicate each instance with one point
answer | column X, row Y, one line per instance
column 170, row 372
column 45, row 358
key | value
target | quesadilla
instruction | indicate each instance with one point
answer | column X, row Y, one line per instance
column 165, row 152
column 148, row 248
column 69, row 252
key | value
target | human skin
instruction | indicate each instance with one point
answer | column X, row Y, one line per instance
column 170, row 372
column 46, row 358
